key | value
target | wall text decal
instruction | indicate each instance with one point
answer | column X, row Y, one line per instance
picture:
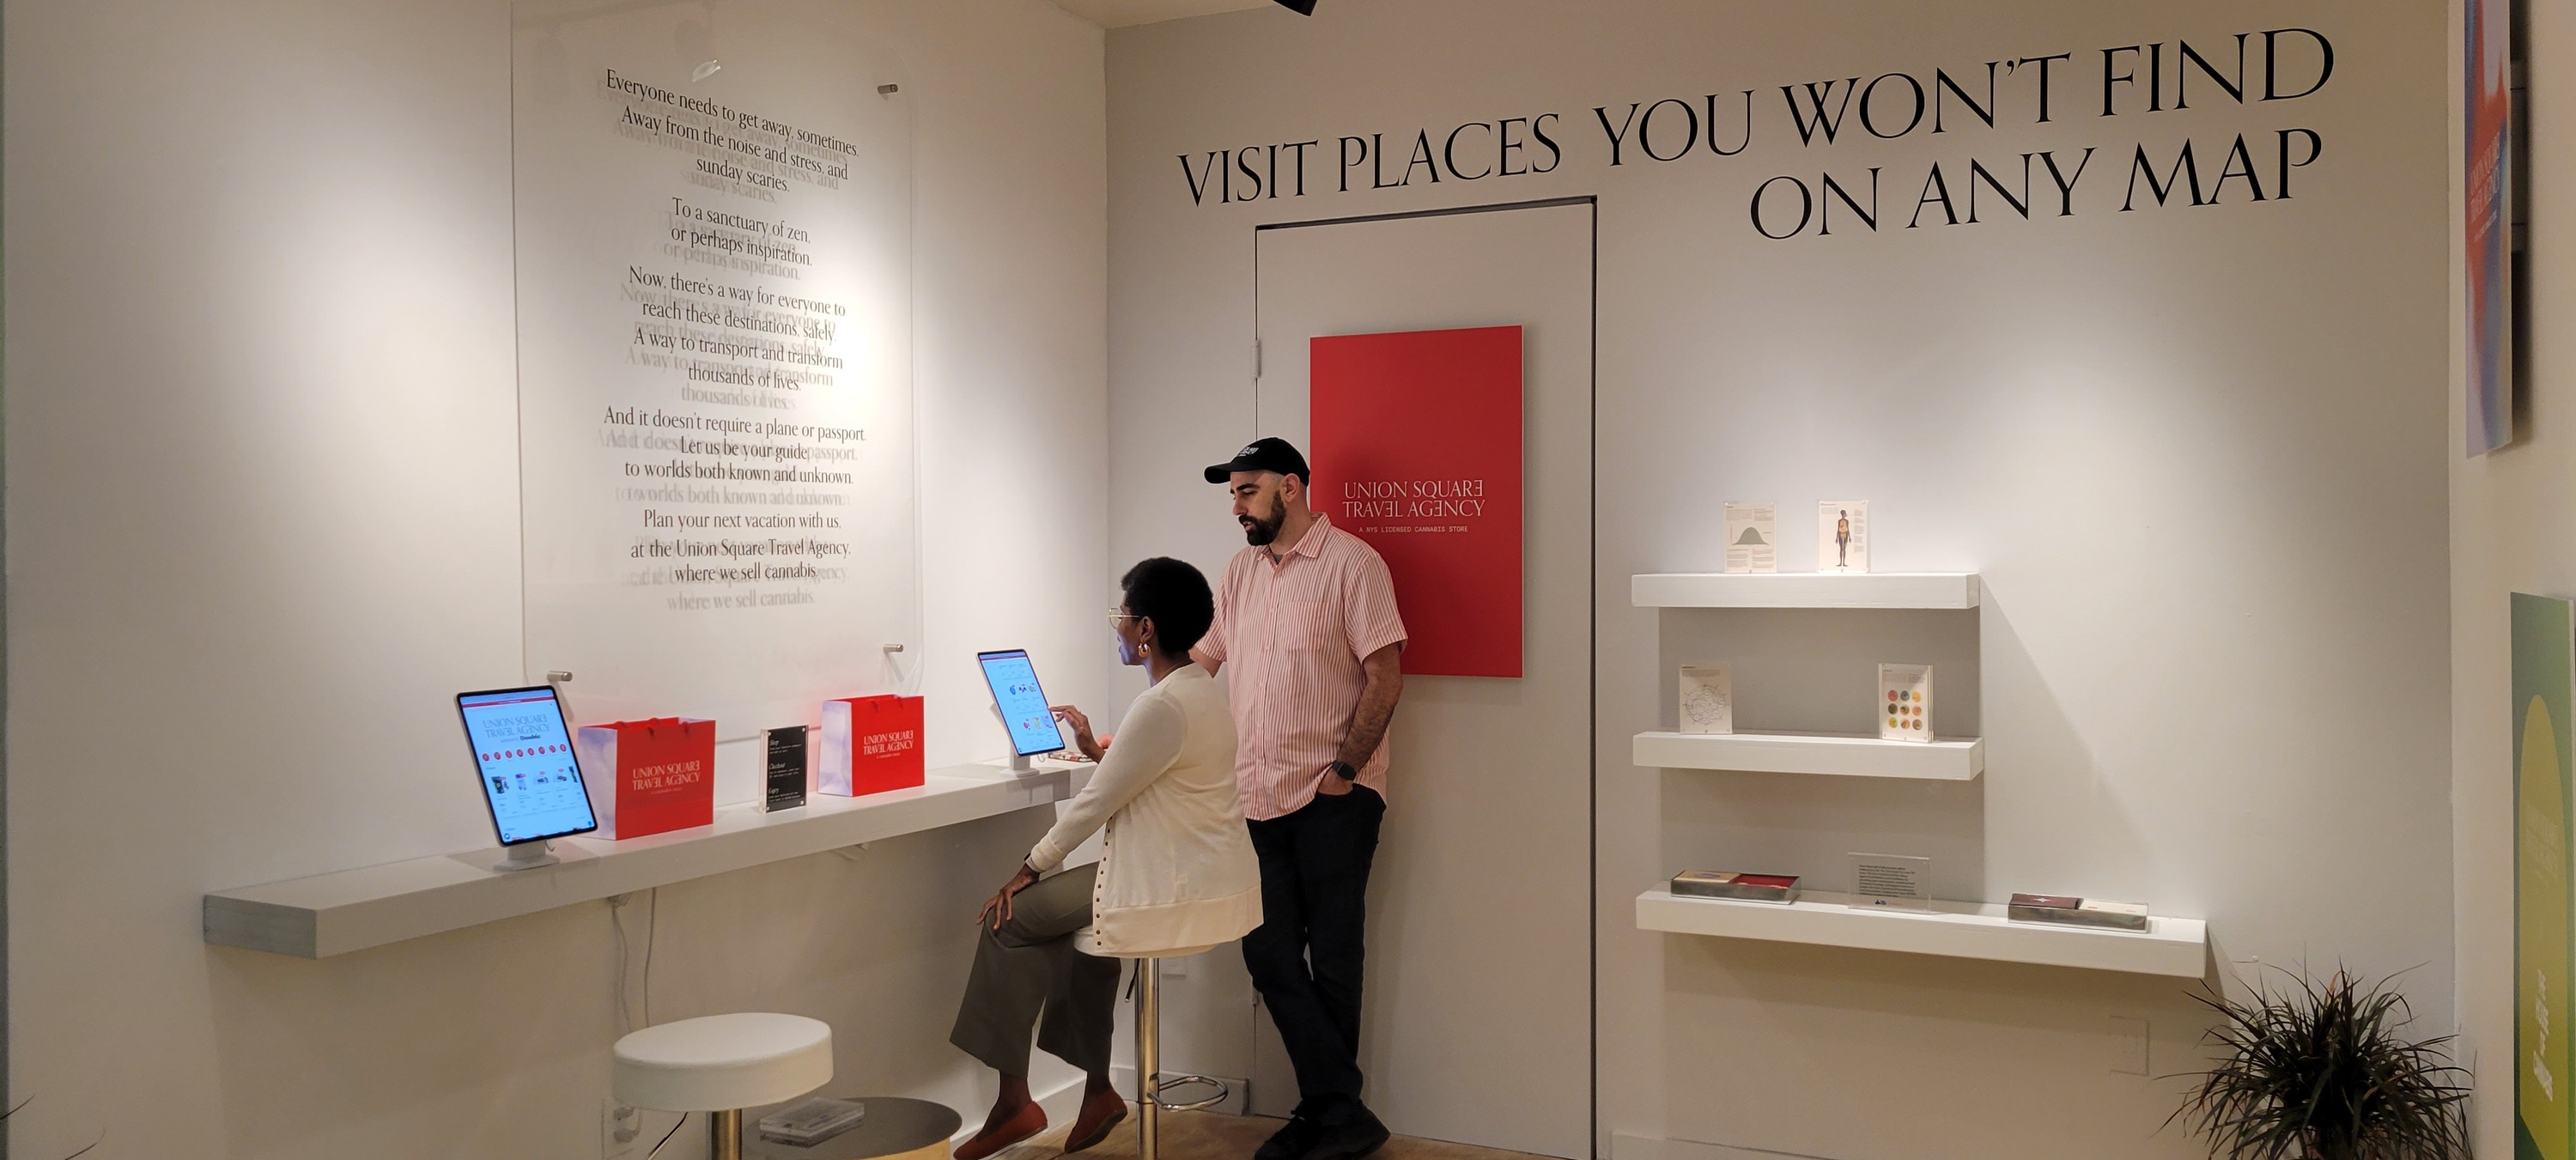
column 1841, row 117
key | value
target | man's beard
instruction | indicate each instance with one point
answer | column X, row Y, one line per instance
column 1262, row 533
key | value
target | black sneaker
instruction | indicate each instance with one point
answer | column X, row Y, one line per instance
column 1350, row 1139
column 1293, row 1141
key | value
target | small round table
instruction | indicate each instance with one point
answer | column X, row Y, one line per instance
column 895, row 1129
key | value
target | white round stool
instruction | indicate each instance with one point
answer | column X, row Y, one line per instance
column 1150, row 1081
column 720, row 1065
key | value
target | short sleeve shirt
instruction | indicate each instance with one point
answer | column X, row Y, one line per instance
column 1291, row 633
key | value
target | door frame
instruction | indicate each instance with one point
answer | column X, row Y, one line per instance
column 1592, row 589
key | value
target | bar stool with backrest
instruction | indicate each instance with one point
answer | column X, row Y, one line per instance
column 1150, row 1081
column 720, row 1065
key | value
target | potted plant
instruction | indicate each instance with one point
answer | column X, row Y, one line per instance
column 2323, row 1071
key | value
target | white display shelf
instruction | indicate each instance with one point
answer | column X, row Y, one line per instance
column 1949, row 759
column 2176, row 947
column 352, row 910
column 1936, row 590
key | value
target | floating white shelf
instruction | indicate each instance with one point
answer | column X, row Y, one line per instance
column 333, row 914
column 1807, row 590
column 2177, row 947
column 1950, row 759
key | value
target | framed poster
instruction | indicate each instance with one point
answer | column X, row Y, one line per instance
column 2488, row 228
column 2544, row 669
column 1417, row 450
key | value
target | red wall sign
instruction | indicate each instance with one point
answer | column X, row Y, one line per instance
column 1417, row 450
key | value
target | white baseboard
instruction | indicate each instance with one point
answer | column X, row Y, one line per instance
column 1627, row 1147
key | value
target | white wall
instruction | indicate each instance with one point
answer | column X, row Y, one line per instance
column 262, row 517
column 2198, row 454
column 2513, row 529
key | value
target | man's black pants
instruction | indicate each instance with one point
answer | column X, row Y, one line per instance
column 1307, row 954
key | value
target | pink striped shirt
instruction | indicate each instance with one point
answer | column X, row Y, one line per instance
column 1291, row 634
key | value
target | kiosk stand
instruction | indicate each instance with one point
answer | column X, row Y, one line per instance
column 527, row 856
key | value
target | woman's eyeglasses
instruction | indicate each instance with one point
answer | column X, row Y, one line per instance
column 1116, row 615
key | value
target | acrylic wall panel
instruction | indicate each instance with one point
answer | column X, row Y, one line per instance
column 714, row 211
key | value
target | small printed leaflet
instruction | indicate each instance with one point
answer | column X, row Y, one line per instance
column 1708, row 700
column 1779, row 888
column 1842, row 536
column 2063, row 910
column 1905, row 701
column 1752, row 538
column 1890, row 882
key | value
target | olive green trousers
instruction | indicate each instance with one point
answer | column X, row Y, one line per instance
column 1029, row 966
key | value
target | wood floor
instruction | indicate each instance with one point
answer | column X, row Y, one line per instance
column 1204, row 1136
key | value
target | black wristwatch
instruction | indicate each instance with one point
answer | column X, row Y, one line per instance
column 1343, row 768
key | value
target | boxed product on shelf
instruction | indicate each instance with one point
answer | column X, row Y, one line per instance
column 1707, row 700
column 2064, row 910
column 1780, row 888
column 1752, row 539
column 1842, row 536
column 1905, row 703
column 870, row 745
column 651, row 776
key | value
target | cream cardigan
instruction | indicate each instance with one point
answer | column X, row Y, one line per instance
column 1177, row 870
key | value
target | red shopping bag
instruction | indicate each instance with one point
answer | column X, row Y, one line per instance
column 650, row 777
column 870, row 745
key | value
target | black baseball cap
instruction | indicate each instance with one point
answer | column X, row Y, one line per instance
column 1263, row 455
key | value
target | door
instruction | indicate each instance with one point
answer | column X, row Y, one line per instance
column 1478, row 996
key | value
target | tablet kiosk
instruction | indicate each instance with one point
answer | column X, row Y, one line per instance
column 531, row 781
column 1022, row 704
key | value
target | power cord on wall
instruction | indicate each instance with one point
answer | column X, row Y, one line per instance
column 666, row 1136
column 617, row 904
column 617, row 925
column 652, row 933
column 627, row 1125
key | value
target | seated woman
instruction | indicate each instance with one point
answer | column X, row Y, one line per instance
column 1177, row 871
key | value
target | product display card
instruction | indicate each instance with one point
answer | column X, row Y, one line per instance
column 1752, row 538
column 1905, row 693
column 1708, row 699
column 1891, row 882
column 786, row 768
column 1842, row 536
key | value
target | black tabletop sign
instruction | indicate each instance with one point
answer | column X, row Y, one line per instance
column 786, row 768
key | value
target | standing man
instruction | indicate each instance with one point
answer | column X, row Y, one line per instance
column 1306, row 620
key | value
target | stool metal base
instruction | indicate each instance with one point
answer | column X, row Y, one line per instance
column 1150, row 1080
column 724, row 1135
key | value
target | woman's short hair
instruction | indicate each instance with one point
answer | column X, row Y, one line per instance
column 1175, row 597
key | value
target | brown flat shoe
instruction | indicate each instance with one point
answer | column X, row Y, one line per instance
column 1027, row 1122
column 1111, row 1112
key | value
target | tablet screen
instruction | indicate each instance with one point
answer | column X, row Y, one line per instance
column 1024, row 706
column 530, row 779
